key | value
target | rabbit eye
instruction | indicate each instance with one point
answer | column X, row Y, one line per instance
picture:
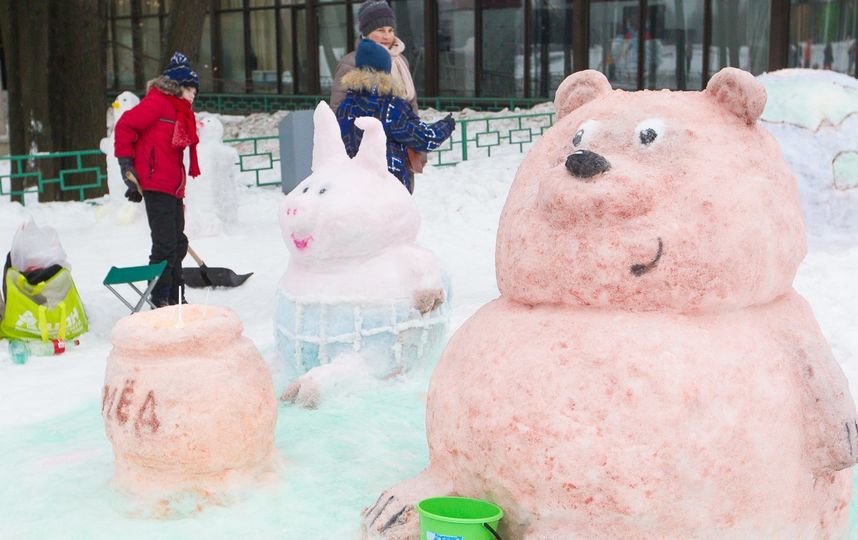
column 322, row 190
column 306, row 189
column 578, row 136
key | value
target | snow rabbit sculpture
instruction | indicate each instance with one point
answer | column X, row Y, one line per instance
column 357, row 282
column 648, row 371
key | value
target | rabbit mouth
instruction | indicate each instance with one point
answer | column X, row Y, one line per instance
column 302, row 243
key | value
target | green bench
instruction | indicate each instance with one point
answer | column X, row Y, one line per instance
column 133, row 274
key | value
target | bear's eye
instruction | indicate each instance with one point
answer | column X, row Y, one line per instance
column 306, row 189
column 578, row 136
column 323, row 190
column 647, row 136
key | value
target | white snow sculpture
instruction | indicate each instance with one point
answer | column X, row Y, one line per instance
column 124, row 102
column 120, row 210
column 212, row 198
column 357, row 282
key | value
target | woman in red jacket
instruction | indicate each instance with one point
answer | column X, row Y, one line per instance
column 150, row 141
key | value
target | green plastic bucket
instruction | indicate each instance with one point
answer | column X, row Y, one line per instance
column 458, row 518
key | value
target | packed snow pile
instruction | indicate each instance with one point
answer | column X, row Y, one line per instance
column 357, row 281
column 814, row 116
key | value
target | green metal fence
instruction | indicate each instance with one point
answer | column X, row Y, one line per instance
column 484, row 137
column 262, row 103
column 31, row 171
column 259, row 157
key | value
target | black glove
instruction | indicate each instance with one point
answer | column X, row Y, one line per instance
column 129, row 176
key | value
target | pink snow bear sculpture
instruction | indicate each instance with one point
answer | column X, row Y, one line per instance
column 357, row 281
column 648, row 371
column 188, row 403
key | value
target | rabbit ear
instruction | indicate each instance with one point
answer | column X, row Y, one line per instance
column 373, row 145
column 327, row 142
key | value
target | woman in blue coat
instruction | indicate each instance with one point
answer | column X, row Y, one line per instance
column 370, row 91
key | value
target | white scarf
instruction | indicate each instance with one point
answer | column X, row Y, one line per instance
column 399, row 69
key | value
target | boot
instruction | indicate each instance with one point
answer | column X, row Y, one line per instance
column 160, row 295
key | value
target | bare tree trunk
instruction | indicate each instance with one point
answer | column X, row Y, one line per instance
column 57, row 82
column 184, row 30
column 26, row 25
column 78, row 81
column 8, row 13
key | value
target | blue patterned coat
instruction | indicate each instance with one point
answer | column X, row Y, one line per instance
column 373, row 93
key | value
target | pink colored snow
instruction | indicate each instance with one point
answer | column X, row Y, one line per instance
column 188, row 403
column 648, row 371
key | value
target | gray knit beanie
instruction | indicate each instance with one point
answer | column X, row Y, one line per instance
column 375, row 14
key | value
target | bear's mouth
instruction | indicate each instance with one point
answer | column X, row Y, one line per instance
column 640, row 269
column 302, row 243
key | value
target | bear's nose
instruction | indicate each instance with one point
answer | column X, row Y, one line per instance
column 586, row 164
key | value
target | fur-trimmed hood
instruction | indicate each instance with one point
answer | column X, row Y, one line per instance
column 166, row 85
column 371, row 81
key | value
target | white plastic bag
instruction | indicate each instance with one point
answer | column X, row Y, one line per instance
column 37, row 247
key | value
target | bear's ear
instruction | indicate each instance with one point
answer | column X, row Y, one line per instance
column 327, row 143
column 738, row 92
column 578, row 89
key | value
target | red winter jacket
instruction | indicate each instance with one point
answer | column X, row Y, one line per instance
column 145, row 133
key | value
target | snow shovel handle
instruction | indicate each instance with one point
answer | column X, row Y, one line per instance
column 196, row 257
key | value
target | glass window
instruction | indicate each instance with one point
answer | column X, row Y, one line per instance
column 123, row 7
column 551, row 48
column 409, row 28
column 204, row 64
column 263, row 50
column 124, row 54
column 502, row 72
column 231, row 4
column 740, row 35
column 150, row 7
column 614, row 41
column 262, row 3
column 232, row 52
column 332, row 43
column 823, row 34
column 673, row 45
column 302, row 69
column 287, row 52
column 456, row 47
column 151, row 47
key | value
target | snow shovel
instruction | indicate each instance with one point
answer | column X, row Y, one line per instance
column 206, row 276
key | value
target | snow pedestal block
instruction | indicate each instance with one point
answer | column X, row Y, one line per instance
column 188, row 405
column 390, row 335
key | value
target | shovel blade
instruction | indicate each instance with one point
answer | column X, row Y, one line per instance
column 209, row 276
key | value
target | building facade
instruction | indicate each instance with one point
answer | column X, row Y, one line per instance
column 492, row 48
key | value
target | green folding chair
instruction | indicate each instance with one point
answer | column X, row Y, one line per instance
column 132, row 274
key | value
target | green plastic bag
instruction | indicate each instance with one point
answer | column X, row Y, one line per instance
column 51, row 309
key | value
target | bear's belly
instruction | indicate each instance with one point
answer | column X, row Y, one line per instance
column 595, row 424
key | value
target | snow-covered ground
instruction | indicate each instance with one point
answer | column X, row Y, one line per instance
column 55, row 460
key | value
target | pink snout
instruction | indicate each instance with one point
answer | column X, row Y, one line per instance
column 566, row 200
column 291, row 211
column 302, row 243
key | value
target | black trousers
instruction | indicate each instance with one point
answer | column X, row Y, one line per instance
column 166, row 215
